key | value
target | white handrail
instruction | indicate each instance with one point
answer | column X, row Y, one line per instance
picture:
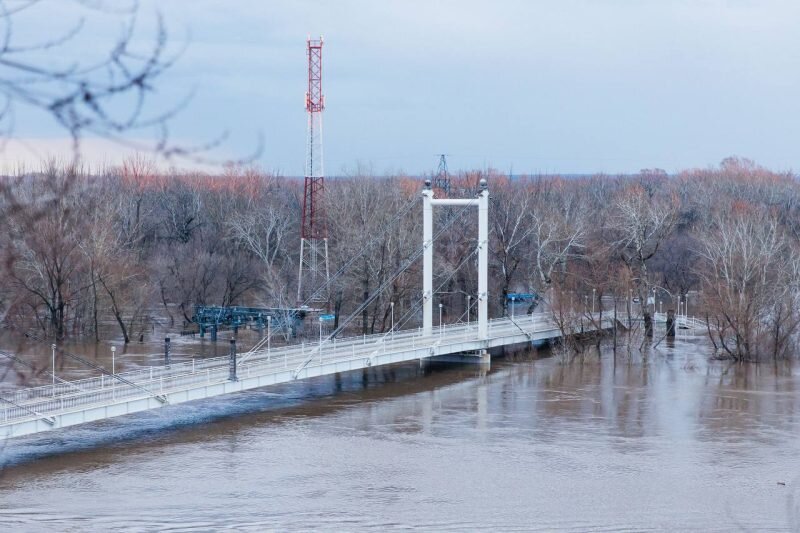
column 47, row 401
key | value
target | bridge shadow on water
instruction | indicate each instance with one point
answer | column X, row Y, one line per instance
column 208, row 419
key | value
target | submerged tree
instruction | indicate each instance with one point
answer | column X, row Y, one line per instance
column 749, row 279
column 642, row 221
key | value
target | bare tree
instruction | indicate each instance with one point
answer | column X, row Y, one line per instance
column 84, row 89
column 748, row 282
column 102, row 92
column 360, row 210
column 263, row 224
column 118, row 281
column 642, row 222
column 559, row 228
column 510, row 218
column 46, row 242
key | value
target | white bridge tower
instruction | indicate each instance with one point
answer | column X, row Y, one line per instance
column 482, row 203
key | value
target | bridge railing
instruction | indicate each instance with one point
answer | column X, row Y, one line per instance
column 168, row 380
column 681, row 321
column 159, row 380
column 117, row 392
column 147, row 374
column 139, row 376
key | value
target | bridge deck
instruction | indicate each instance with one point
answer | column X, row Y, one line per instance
column 50, row 407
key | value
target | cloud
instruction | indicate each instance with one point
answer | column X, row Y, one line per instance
column 561, row 85
column 29, row 154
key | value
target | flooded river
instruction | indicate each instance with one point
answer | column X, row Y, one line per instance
column 671, row 443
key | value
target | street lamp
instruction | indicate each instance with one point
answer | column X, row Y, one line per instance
column 391, row 304
column 269, row 333
column 469, row 297
column 512, row 307
column 114, row 371
column 53, row 346
column 654, row 299
column 440, row 319
column 661, row 306
column 320, row 336
column 585, row 304
column 593, row 292
column 630, row 306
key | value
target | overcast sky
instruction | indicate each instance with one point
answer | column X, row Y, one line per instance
column 569, row 86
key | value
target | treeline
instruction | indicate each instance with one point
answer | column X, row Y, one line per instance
column 138, row 245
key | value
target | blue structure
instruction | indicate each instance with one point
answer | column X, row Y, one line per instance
column 531, row 299
column 211, row 318
column 522, row 296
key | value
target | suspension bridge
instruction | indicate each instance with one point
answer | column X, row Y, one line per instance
column 68, row 403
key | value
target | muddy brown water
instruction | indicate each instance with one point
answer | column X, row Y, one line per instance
column 671, row 443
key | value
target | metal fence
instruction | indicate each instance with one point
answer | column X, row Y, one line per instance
column 46, row 401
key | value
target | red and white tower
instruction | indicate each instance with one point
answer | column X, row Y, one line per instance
column 314, row 271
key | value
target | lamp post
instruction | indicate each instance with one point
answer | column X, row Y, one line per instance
column 114, row 371
column 513, row 299
column 469, row 297
column 392, row 306
column 593, row 293
column 654, row 300
column 440, row 319
column 630, row 306
column 320, row 336
column 269, row 334
column 661, row 306
column 53, row 346
column 585, row 304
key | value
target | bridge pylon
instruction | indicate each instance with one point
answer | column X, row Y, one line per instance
column 482, row 203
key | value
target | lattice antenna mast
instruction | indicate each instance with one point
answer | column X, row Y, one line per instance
column 314, row 270
column 441, row 180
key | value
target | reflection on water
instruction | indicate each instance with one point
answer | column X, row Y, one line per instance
column 672, row 443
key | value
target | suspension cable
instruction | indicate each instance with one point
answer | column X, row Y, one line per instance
column 49, row 420
column 408, row 262
column 33, row 367
column 406, row 208
column 400, row 214
column 95, row 366
column 418, row 303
